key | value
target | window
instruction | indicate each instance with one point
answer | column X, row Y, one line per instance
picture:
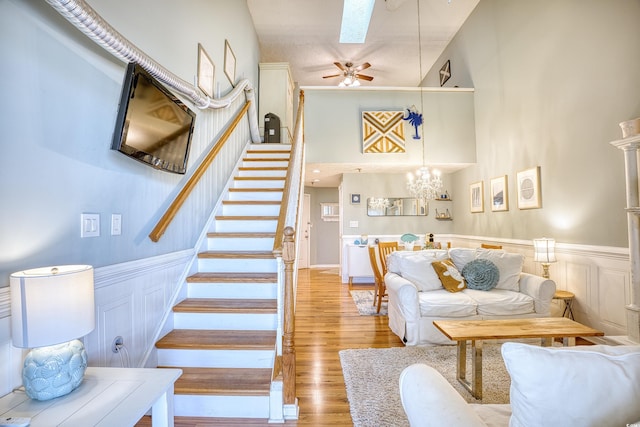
column 330, row 211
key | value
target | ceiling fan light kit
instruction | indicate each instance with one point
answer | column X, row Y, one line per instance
column 351, row 75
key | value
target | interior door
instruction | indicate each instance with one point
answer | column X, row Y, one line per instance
column 305, row 243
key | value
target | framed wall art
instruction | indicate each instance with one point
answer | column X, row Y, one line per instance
column 529, row 195
column 229, row 63
column 206, row 72
column 499, row 194
column 445, row 72
column 476, row 197
column 355, row 198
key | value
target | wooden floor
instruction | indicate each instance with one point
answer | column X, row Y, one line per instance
column 327, row 321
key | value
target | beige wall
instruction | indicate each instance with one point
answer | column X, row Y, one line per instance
column 552, row 79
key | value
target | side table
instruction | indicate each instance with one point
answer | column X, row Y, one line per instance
column 568, row 298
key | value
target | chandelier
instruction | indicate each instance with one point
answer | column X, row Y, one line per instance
column 426, row 185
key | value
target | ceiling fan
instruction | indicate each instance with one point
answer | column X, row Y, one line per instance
column 351, row 75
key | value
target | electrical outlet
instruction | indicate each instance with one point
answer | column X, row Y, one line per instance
column 89, row 225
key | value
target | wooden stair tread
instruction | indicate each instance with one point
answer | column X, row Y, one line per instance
column 240, row 235
column 262, row 168
column 254, row 151
column 233, row 277
column 236, row 254
column 196, row 339
column 255, row 190
column 246, row 218
column 226, row 305
column 259, row 178
column 251, row 202
column 265, row 159
column 224, row 381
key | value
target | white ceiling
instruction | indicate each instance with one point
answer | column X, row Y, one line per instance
column 305, row 34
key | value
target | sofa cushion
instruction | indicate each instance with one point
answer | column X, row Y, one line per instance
column 442, row 303
column 415, row 266
column 449, row 275
column 481, row 274
column 585, row 386
column 509, row 265
column 499, row 302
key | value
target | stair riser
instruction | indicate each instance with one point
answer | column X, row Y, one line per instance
column 225, row 321
column 246, row 226
column 259, row 183
column 265, row 163
column 240, row 244
column 263, row 172
column 260, row 210
column 233, row 290
column 216, row 358
column 261, row 155
column 221, row 406
column 256, row 195
column 210, row 265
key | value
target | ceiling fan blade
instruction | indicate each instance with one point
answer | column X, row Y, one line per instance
column 339, row 65
column 363, row 66
column 333, row 75
column 364, row 77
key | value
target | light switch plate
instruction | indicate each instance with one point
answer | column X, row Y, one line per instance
column 116, row 224
column 354, row 224
column 89, row 225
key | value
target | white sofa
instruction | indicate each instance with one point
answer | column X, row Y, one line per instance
column 584, row 386
column 417, row 297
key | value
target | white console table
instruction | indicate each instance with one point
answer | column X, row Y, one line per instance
column 107, row 397
column 358, row 262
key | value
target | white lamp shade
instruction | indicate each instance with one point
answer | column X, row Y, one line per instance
column 51, row 305
column 544, row 250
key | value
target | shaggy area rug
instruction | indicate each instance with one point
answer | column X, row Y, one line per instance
column 364, row 302
column 371, row 377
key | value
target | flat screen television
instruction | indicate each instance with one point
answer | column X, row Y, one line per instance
column 152, row 126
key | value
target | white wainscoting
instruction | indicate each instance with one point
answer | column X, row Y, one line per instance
column 599, row 276
column 132, row 301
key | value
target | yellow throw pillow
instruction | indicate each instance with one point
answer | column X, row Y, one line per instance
column 449, row 275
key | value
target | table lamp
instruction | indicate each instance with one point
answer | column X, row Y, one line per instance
column 544, row 253
column 51, row 308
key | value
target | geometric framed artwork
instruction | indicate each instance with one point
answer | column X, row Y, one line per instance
column 229, row 63
column 445, row 72
column 476, row 197
column 529, row 192
column 499, row 194
column 383, row 132
column 206, row 72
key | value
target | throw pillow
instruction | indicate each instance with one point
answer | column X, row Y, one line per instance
column 481, row 274
column 509, row 265
column 461, row 256
column 415, row 266
column 584, row 386
column 449, row 275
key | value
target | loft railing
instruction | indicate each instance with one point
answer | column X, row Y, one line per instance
column 285, row 247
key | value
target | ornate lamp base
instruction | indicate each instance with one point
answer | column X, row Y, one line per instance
column 54, row 371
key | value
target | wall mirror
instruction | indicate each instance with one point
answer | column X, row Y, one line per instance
column 397, row 206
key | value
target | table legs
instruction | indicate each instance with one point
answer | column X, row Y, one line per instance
column 475, row 385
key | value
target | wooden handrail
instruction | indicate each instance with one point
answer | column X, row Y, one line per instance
column 182, row 196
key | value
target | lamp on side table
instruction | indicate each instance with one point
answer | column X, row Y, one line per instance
column 51, row 308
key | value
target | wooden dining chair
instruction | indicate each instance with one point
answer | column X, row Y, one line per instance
column 487, row 246
column 380, row 290
column 384, row 249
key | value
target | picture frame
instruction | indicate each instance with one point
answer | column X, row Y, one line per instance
column 206, row 72
column 529, row 190
column 476, row 197
column 355, row 198
column 229, row 63
column 499, row 194
column 445, row 72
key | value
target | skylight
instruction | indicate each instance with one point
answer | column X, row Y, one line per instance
column 356, row 15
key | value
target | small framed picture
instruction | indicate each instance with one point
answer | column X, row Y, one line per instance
column 445, row 72
column 206, row 72
column 529, row 194
column 476, row 197
column 499, row 194
column 355, row 198
column 229, row 63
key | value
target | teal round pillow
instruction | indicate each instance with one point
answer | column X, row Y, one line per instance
column 481, row 274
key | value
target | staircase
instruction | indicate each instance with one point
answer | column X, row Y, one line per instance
column 225, row 330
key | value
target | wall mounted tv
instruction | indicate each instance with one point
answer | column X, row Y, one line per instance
column 152, row 126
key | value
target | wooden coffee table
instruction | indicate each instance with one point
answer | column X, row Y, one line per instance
column 546, row 328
